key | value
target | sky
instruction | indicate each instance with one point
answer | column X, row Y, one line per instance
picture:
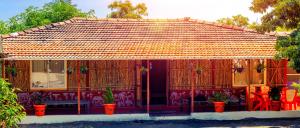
column 209, row 10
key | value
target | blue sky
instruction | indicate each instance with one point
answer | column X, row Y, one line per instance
column 198, row 9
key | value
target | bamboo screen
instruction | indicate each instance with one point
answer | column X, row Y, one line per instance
column 22, row 80
column 72, row 77
column 217, row 76
column 275, row 76
column 118, row 74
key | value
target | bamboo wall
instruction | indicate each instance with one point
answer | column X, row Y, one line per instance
column 22, row 80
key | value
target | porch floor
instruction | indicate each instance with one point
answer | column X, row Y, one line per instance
column 48, row 119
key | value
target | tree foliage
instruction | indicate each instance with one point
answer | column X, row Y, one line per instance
column 237, row 20
column 283, row 15
column 277, row 13
column 11, row 112
column 56, row 11
column 127, row 10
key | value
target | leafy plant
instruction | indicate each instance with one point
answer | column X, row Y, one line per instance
column 143, row 70
column 260, row 67
column 38, row 98
column 108, row 96
column 274, row 93
column 219, row 97
column 12, row 71
column 83, row 69
column 198, row 70
column 296, row 86
column 70, row 70
column 238, row 68
column 11, row 112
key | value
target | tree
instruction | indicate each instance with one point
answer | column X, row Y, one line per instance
column 237, row 20
column 282, row 15
column 127, row 10
column 56, row 11
column 277, row 13
column 11, row 112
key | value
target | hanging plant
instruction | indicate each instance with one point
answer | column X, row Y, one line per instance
column 83, row 69
column 143, row 70
column 238, row 68
column 12, row 71
column 198, row 70
column 260, row 67
column 70, row 70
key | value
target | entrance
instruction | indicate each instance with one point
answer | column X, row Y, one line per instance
column 158, row 82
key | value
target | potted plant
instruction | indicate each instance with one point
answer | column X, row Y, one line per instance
column 143, row 70
column 198, row 70
column 238, row 68
column 274, row 95
column 83, row 69
column 109, row 102
column 260, row 67
column 39, row 103
column 219, row 99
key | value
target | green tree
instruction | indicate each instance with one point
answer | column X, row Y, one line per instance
column 237, row 20
column 282, row 15
column 277, row 13
column 56, row 11
column 11, row 112
column 127, row 10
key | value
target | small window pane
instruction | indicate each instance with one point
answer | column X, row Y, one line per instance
column 242, row 78
column 257, row 78
column 56, row 74
column 39, row 74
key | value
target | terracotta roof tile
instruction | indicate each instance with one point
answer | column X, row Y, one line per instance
column 105, row 39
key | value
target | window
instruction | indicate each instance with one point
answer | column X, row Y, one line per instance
column 48, row 74
column 292, row 76
column 241, row 75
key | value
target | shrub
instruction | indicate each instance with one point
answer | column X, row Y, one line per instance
column 11, row 112
column 219, row 97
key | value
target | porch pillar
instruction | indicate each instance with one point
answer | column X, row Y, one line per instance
column 138, row 83
column 193, row 86
column 249, row 86
column 148, row 87
column 78, row 85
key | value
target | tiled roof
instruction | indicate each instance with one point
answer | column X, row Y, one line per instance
column 109, row 39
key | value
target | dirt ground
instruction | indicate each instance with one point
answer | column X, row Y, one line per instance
column 272, row 123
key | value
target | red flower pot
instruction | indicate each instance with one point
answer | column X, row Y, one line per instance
column 275, row 105
column 219, row 106
column 109, row 109
column 39, row 109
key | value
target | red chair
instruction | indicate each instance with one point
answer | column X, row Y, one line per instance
column 288, row 99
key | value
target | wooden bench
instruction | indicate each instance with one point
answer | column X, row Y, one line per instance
column 85, row 103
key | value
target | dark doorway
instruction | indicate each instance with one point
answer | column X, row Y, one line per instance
column 158, row 82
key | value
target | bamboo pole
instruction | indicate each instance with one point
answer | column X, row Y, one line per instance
column 193, row 86
column 148, row 87
column 78, row 85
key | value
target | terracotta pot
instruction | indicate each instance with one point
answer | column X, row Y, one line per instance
column 109, row 109
column 39, row 109
column 275, row 105
column 219, row 106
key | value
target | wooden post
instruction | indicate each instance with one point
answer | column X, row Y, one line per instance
column 193, row 86
column 78, row 85
column 148, row 87
column 138, row 83
column 265, row 72
column 249, row 85
column 285, row 80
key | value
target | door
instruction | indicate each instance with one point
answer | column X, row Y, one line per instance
column 158, row 82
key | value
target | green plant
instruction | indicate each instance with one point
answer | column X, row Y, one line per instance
column 198, row 70
column 11, row 112
column 83, row 69
column 143, row 70
column 108, row 96
column 274, row 93
column 70, row 70
column 260, row 67
column 38, row 98
column 11, row 70
column 219, row 97
column 296, row 86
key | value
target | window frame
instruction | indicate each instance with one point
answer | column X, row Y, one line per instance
column 49, row 89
